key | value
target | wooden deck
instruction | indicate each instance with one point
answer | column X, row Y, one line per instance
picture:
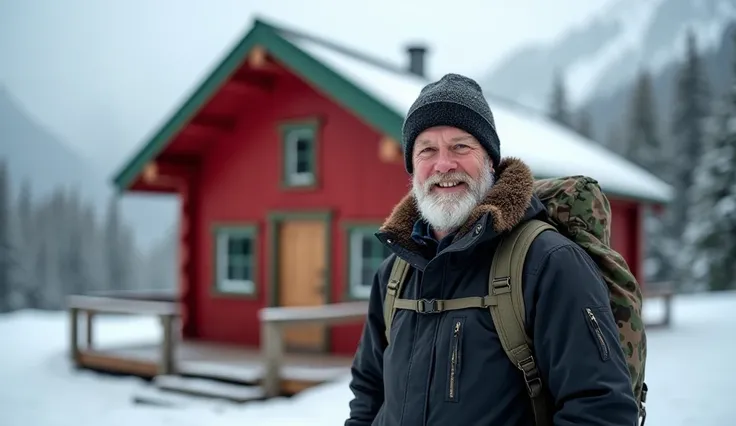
column 224, row 371
column 231, row 372
column 228, row 364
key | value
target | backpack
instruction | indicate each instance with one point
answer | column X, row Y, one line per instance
column 578, row 209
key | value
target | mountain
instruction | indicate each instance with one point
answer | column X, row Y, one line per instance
column 41, row 157
column 606, row 53
column 606, row 111
column 35, row 154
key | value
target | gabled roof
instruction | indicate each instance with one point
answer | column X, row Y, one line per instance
column 381, row 93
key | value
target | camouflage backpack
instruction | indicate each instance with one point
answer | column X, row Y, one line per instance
column 578, row 209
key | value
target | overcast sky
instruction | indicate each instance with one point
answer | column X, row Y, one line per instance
column 101, row 73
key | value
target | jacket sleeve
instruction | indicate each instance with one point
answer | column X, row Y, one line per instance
column 367, row 368
column 576, row 342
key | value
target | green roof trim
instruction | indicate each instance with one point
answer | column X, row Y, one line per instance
column 324, row 79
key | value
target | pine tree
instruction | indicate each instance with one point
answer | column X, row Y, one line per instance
column 583, row 126
column 118, row 249
column 73, row 266
column 35, row 295
column 25, row 209
column 688, row 119
column 614, row 138
column 6, row 255
column 93, row 243
column 56, row 214
column 558, row 107
column 711, row 231
column 643, row 145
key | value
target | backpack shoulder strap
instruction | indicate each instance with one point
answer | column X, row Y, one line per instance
column 507, row 309
column 395, row 281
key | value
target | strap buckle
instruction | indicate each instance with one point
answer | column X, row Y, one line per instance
column 501, row 285
column 531, row 376
column 429, row 306
column 393, row 284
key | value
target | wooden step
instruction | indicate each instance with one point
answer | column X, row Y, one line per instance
column 208, row 388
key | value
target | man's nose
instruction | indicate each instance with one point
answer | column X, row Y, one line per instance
column 445, row 163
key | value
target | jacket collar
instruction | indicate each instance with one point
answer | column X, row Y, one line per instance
column 510, row 201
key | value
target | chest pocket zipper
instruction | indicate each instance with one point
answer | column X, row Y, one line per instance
column 455, row 359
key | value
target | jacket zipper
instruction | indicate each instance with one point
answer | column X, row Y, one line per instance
column 598, row 333
column 454, row 361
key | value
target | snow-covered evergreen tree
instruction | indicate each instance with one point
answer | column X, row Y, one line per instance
column 54, row 246
column 119, row 250
column 643, row 140
column 690, row 111
column 614, row 139
column 25, row 210
column 93, row 243
column 643, row 146
column 50, row 223
column 559, row 109
column 6, row 249
column 583, row 125
column 22, row 234
column 73, row 263
column 710, row 239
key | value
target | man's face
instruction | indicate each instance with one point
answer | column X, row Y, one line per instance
column 452, row 174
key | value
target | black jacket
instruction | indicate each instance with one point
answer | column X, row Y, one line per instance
column 407, row 383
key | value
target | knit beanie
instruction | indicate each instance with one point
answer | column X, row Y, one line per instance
column 457, row 101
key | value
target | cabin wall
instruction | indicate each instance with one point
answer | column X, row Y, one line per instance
column 626, row 233
column 241, row 182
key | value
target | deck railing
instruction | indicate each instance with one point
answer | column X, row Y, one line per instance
column 274, row 320
column 665, row 291
column 168, row 312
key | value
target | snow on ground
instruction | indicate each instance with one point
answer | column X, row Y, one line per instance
column 690, row 372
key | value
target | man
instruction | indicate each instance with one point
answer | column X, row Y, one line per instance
column 449, row 368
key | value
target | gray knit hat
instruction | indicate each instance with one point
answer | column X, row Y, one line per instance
column 457, row 101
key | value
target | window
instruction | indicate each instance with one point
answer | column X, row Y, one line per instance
column 235, row 257
column 365, row 254
column 299, row 142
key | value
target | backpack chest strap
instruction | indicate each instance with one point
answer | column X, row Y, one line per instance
column 433, row 306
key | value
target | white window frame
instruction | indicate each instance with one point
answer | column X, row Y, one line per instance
column 292, row 136
column 356, row 288
column 228, row 286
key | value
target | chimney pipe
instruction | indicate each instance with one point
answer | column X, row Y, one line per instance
column 417, row 55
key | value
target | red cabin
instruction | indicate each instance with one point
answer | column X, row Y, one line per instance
column 286, row 161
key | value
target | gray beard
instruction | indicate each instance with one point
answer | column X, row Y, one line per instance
column 448, row 212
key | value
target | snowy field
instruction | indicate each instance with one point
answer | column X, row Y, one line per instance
column 691, row 372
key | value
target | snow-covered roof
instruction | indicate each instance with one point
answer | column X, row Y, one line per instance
column 549, row 149
column 381, row 94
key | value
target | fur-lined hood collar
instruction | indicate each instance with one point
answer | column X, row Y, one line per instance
column 506, row 204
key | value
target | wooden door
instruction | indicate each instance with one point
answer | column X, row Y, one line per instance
column 302, row 278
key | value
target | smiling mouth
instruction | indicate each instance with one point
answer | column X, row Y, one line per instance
column 449, row 184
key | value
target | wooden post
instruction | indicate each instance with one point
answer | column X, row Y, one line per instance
column 273, row 352
column 74, row 335
column 667, row 299
column 274, row 321
column 167, row 365
column 89, row 333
